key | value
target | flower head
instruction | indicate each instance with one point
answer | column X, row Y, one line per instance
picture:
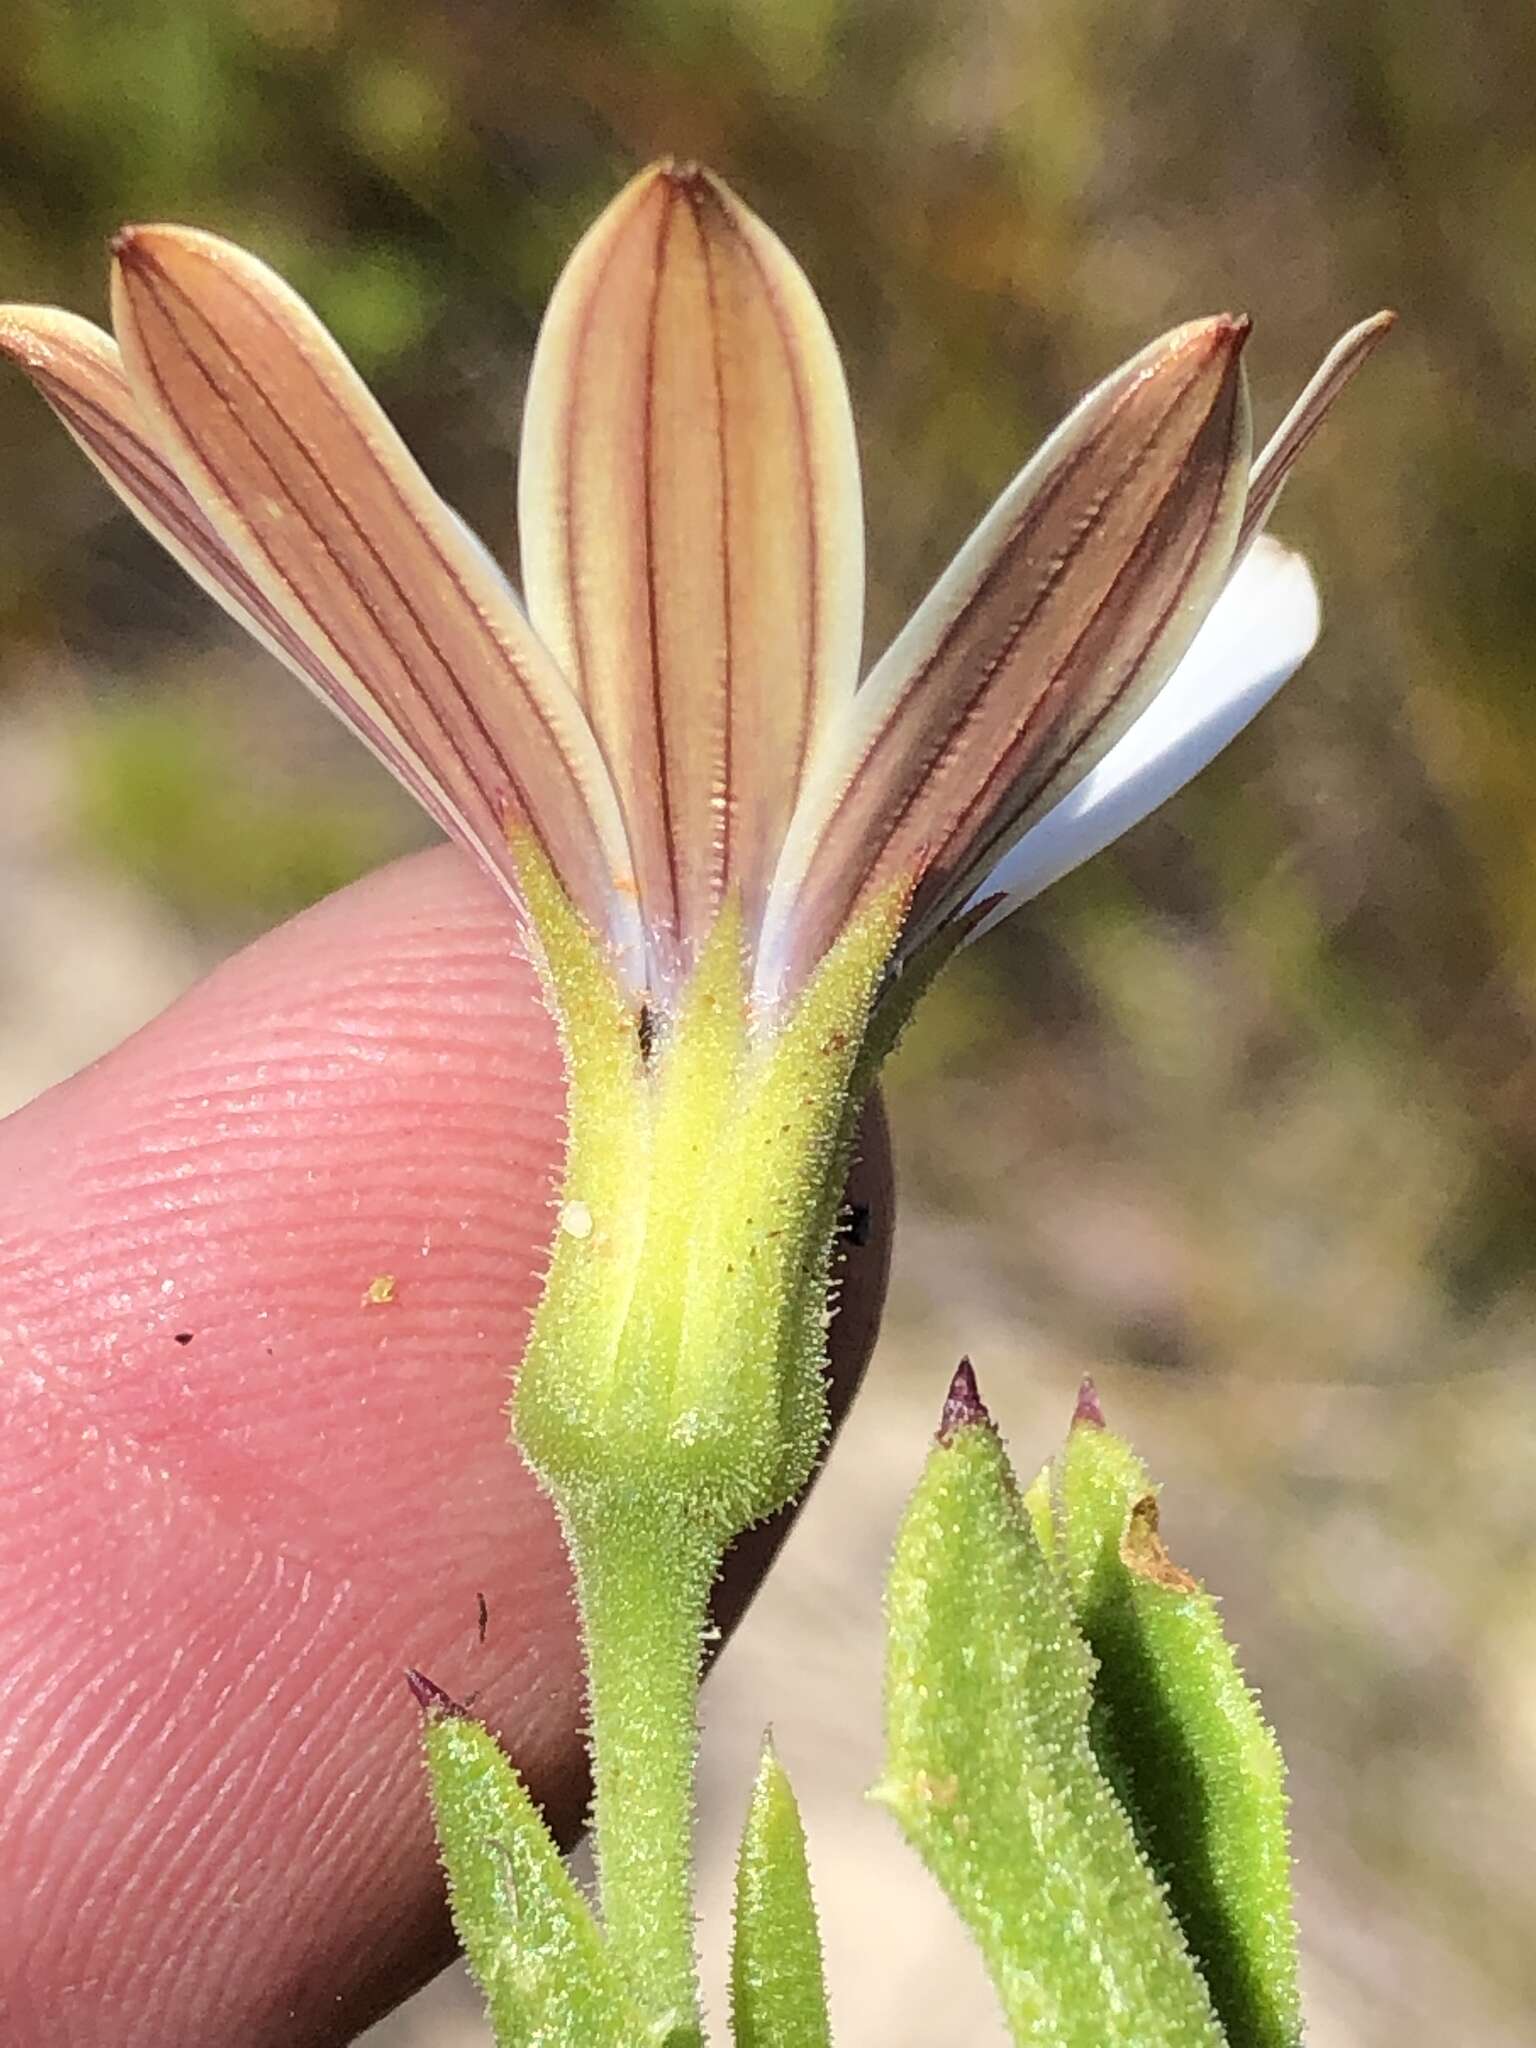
column 673, row 715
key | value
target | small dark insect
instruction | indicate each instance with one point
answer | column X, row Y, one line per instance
column 645, row 1031
column 485, row 1614
column 183, row 1336
column 858, row 1224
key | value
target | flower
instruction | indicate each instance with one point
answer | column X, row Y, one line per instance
column 673, row 714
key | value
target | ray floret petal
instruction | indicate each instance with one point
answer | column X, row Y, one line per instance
column 229, row 422
column 675, row 722
column 1257, row 634
column 692, row 534
column 1063, row 613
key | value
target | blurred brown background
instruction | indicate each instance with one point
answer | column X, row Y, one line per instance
column 1243, row 1117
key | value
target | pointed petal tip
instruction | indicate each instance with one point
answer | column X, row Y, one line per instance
column 144, row 249
column 963, row 1405
column 685, row 173
column 138, row 243
column 1277, row 459
column 1088, row 1412
column 37, row 337
column 1217, row 335
column 23, row 336
column 1227, row 335
column 49, row 345
column 667, row 178
column 1358, row 342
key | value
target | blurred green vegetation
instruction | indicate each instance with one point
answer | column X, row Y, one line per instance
column 1255, row 1094
column 162, row 786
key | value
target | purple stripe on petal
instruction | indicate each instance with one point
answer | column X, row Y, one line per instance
column 310, row 490
column 692, row 536
column 1059, row 618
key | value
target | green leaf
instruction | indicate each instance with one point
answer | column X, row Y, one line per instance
column 778, row 1997
column 990, row 1771
column 527, row 1933
column 1180, row 1736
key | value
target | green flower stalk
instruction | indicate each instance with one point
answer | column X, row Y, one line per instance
column 735, row 862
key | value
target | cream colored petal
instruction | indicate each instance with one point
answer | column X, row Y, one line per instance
column 1305, row 417
column 692, row 535
column 383, row 604
column 78, row 369
column 1057, row 621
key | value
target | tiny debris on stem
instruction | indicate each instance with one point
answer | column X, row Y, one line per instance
column 431, row 1698
column 963, row 1405
column 380, row 1291
column 483, row 1615
column 1088, row 1414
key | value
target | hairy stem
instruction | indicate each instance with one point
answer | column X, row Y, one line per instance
column 643, row 1577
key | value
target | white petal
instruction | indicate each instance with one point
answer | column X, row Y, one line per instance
column 1257, row 635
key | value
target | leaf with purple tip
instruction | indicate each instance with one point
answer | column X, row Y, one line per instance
column 528, row 1934
column 990, row 1771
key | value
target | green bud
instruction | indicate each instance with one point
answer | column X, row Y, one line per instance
column 679, row 1347
column 991, row 1773
column 778, row 1998
column 1180, row 1736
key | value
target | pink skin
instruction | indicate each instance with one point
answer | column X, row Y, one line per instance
column 217, row 1556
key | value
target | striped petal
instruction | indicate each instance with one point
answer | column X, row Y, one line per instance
column 1305, row 417
column 338, row 550
column 1259, row 632
column 692, row 533
column 1055, row 624
column 79, row 370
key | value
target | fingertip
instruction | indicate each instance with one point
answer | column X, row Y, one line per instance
column 264, row 1272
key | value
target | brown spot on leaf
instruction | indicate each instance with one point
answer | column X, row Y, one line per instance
column 940, row 1792
column 1143, row 1551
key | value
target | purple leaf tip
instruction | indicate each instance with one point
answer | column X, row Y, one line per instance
column 963, row 1406
column 1088, row 1414
column 432, row 1700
